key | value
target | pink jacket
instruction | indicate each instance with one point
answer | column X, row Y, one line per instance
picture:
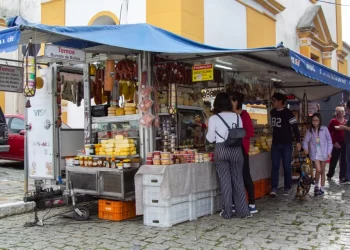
column 309, row 142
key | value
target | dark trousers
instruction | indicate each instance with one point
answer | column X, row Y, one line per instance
column 247, row 178
column 336, row 154
column 281, row 152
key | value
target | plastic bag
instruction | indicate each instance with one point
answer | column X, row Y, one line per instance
column 145, row 104
column 146, row 120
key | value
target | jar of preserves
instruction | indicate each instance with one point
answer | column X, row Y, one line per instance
column 126, row 163
column 95, row 162
column 77, row 161
column 107, row 163
column 100, row 162
column 89, row 162
column 113, row 162
column 120, row 165
column 82, row 161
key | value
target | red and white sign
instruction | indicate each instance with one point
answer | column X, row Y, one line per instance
column 64, row 53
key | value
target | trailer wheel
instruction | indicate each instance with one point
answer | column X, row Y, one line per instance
column 85, row 214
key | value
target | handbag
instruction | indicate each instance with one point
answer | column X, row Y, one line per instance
column 235, row 134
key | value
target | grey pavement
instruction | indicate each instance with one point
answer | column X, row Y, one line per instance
column 282, row 223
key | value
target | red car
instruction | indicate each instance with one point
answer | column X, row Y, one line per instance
column 16, row 134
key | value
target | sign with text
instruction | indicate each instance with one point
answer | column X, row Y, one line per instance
column 11, row 79
column 203, row 72
column 9, row 40
column 63, row 53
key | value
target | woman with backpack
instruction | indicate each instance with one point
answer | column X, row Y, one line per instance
column 228, row 156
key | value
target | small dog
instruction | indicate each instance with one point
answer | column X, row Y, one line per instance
column 304, row 184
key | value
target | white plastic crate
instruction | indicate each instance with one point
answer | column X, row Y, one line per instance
column 166, row 216
column 152, row 180
column 152, row 197
column 202, row 207
column 201, row 195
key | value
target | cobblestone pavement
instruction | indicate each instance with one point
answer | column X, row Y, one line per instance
column 282, row 223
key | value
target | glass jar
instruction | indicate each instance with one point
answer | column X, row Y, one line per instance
column 120, row 165
column 92, row 149
column 89, row 162
column 95, row 162
column 82, row 161
column 100, row 162
column 113, row 162
column 107, row 163
column 77, row 161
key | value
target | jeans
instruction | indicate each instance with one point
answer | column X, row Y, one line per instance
column 336, row 154
column 284, row 152
column 348, row 161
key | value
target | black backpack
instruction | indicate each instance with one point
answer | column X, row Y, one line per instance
column 235, row 134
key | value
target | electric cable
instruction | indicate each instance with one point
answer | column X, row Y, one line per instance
column 322, row 1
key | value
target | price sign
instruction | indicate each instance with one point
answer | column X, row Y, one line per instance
column 204, row 72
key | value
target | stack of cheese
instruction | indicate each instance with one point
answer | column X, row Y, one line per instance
column 111, row 111
column 124, row 146
column 264, row 142
column 130, row 108
column 119, row 146
column 253, row 150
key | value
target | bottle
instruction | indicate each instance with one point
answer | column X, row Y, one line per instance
column 92, row 149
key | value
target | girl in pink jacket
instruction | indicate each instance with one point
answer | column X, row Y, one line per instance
column 318, row 144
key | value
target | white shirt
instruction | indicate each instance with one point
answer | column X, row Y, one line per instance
column 215, row 124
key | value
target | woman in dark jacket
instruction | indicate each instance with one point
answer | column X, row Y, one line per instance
column 237, row 103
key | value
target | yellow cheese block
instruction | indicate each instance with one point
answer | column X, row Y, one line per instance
column 109, row 150
column 131, row 141
column 133, row 105
column 101, row 153
column 130, row 109
column 125, row 150
column 110, row 141
column 119, row 137
column 124, row 145
column 104, row 141
column 133, row 153
column 123, row 154
column 108, row 145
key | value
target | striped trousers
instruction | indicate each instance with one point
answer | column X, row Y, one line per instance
column 229, row 167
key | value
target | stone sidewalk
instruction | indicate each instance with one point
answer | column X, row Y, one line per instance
column 282, row 223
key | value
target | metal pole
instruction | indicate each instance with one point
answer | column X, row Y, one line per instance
column 147, row 130
column 87, row 104
column 149, row 80
column 26, row 167
column 141, row 129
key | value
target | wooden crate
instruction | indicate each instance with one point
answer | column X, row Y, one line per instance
column 116, row 210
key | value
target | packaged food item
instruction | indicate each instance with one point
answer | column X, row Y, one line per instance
column 107, row 163
column 149, row 154
column 145, row 105
column 77, row 161
column 126, row 163
column 82, row 161
column 89, row 164
column 95, row 162
column 157, row 157
column 166, row 161
column 149, row 162
column 100, row 162
column 146, row 120
column 156, row 161
column 120, row 165
column 146, row 91
column 156, row 153
column 113, row 163
column 165, row 155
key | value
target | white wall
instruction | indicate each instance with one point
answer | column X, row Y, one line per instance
column 225, row 24
column 135, row 13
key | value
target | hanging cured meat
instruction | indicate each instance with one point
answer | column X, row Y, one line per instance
column 98, row 88
column 109, row 75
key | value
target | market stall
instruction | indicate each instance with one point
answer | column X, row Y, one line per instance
column 150, row 113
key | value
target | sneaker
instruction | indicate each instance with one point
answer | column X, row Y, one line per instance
column 316, row 191
column 321, row 192
column 273, row 194
column 252, row 209
column 344, row 182
column 287, row 192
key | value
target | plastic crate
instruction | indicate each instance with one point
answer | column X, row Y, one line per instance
column 202, row 207
column 259, row 189
column 201, row 195
column 152, row 180
column 152, row 197
column 116, row 210
column 166, row 216
column 267, row 186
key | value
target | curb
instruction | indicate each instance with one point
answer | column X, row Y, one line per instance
column 15, row 208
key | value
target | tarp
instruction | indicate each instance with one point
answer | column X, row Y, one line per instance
column 133, row 38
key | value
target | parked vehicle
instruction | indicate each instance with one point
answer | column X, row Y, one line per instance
column 4, row 146
column 16, row 135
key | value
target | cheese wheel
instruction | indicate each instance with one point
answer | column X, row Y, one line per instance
column 130, row 109
column 130, row 105
column 110, row 141
column 109, row 150
column 104, row 142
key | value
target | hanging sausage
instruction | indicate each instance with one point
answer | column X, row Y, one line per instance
column 109, row 75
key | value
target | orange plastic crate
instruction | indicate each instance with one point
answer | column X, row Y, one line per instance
column 267, row 186
column 259, row 189
column 116, row 210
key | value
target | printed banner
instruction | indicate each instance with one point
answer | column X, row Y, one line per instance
column 204, row 72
